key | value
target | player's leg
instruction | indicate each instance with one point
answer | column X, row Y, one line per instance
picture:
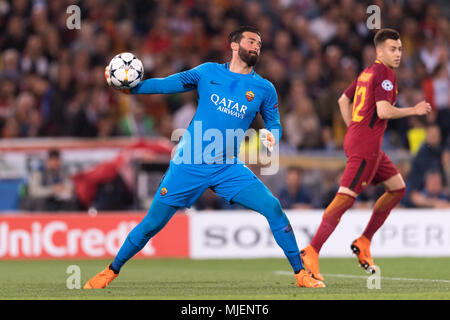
column 157, row 217
column 388, row 175
column 270, row 207
column 395, row 191
column 343, row 201
column 180, row 186
column 237, row 184
column 177, row 189
column 358, row 173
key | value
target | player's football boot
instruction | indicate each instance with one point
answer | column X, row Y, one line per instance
column 304, row 279
column 361, row 247
column 101, row 280
column 310, row 260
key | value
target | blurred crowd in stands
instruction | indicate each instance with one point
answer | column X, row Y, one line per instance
column 52, row 78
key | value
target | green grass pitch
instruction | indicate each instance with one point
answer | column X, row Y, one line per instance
column 230, row 279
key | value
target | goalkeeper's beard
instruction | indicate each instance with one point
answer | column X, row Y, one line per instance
column 247, row 57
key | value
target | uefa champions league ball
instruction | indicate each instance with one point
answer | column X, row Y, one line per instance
column 126, row 70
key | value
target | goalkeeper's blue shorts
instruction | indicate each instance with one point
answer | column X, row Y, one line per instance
column 183, row 184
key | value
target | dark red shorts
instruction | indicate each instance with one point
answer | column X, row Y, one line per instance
column 361, row 171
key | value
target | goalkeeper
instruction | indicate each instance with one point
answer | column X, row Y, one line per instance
column 230, row 96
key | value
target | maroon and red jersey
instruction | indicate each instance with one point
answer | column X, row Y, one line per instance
column 365, row 132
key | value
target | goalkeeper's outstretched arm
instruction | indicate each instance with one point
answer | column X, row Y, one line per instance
column 179, row 82
column 176, row 83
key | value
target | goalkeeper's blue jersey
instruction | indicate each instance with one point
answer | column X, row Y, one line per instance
column 227, row 104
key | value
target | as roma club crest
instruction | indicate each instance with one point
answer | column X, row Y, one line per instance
column 249, row 95
column 163, row 191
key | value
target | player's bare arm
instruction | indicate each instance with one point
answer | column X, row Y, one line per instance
column 345, row 106
column 386, row 110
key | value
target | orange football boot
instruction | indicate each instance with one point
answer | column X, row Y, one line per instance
column 310, row 260
column 361, row 247
column 304, row 279
column 101, row 280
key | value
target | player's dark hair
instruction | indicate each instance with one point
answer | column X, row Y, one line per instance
column 433, row 171
column 53, row 153
column 236, row 35
column 384, row 34
column 298, row 170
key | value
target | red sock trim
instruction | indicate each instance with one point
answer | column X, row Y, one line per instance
column 398, row 190
column 346, row 194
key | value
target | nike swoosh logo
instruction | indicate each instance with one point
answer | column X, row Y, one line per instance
column 212, row 82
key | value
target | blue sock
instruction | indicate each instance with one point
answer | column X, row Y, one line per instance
column 269, row 206
column 157, row 217
column 286, row 240
column 126, row 252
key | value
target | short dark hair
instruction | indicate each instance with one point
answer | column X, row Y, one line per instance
column 433, row 171
column 236, row 35
column 53, row 153
column 298, row 170
column 384, row 34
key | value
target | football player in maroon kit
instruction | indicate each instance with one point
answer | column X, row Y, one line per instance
column 373, row 94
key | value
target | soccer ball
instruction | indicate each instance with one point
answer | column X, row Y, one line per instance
column 126, row 70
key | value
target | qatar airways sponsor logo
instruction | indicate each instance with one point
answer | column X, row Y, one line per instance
column 229, row 106
column 57, row 239
column 213, row 146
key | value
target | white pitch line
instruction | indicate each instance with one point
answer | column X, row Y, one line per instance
column 285, row 273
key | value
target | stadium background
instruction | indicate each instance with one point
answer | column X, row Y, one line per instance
column 115, row 148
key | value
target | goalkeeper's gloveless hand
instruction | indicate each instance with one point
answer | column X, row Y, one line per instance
column 108, row 81
column 108, row 76
column 267, row 139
